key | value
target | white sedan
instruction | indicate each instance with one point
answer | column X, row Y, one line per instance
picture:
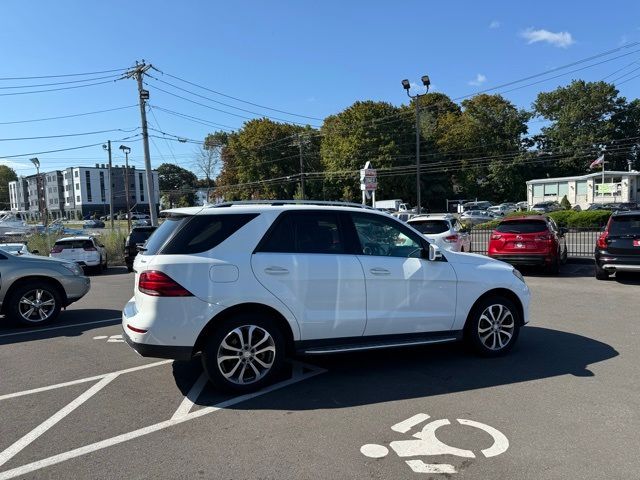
column 16, row 248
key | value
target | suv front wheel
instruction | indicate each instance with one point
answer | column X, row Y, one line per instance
column 493, row 327
column 244, row 353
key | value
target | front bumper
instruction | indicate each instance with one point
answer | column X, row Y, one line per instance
column 75, row 287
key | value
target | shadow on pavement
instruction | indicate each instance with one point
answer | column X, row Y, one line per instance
column 111, row 271
column 71, row 323
column 397, row 374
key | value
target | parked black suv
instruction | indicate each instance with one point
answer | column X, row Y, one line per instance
column 618, row 248
column 137, row 237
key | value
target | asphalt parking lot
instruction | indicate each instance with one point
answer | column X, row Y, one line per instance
column 77, row 402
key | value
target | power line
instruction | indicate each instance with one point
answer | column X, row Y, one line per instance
column 67, row 116
column 237, row 99
column 69, row 135
column 65, row 149
column 202, row 121
column 10, row 87
column 58, row 89
column 64, row 75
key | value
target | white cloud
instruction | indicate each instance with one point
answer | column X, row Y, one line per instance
column 557, row 39
column 479, row 80
column 15, row 165
column 494, row 24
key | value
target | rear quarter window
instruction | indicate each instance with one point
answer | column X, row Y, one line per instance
column 200, row 233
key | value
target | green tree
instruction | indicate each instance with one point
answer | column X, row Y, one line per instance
column 177, row 185
column 485, row 151
column 367, row 131
column 586, row 117
column 7, row 174
column 262, row 160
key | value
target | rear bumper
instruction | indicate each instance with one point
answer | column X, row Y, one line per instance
column 617, row 263
column 158, row 351
column 522, row 259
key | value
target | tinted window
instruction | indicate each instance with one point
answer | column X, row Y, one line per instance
column 304, row 232
column 625, row 225
column 380, row 236
column 431, row 226
column 204, row 232
column 162, row 233
column 139, row 235
column 69, row 244
column 522, row 226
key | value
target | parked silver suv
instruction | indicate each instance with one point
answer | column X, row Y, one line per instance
column 33, row 289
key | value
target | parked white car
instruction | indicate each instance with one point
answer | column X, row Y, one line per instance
column 443, row 230
column 84, row 250
column 247, row 284
column 502, row 209
column 16, row 248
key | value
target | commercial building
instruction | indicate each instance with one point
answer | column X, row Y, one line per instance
column 79, row 192
column 584, row 190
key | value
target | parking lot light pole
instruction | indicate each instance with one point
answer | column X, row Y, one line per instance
column 407, row 86
column 127, row 151
column 36, row 163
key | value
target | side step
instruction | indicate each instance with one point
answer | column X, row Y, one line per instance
column 377, row 344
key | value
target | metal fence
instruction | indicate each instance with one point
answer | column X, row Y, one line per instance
column 580, row 241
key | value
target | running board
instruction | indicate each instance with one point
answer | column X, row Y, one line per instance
column 324, row 350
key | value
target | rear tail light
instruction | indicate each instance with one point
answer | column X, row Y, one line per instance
column 56, row 249
column 602, row 240
column 90, row 249
column 496, row 236
column 451, row 238
column 158, row 284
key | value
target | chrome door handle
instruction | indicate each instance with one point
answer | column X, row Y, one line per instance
column 276, row 271
column 380, row 271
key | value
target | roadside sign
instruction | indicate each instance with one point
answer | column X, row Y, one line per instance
column 368, row 178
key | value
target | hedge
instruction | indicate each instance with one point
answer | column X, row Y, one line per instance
column 564, row 218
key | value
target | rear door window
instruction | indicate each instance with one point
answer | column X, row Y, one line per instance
column 522, row 226
column 304, row 232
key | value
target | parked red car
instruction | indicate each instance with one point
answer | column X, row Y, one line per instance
column 534, row 240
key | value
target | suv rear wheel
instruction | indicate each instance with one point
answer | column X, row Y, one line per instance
column 493, row 327
column 601, row 273
column 244, row 353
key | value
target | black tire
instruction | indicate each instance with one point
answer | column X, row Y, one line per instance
column 565, row 256
column 129, row 267
column 479, row 322
column 18, row 311
column 554, row 268
column 227, row 332
column 601, row 274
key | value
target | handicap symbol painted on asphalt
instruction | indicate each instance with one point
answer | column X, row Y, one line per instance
column 426, row 443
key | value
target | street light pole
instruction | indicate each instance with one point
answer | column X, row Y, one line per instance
column 406, row 85
column 36, row 163
column 107, row 147
column 127, row 151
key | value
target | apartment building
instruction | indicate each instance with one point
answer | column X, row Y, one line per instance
column 79, row 192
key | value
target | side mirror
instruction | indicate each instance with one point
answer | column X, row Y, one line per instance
column 434, row 253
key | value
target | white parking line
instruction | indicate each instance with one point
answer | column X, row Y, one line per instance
column 82, row 380
column 55, row 459
column 27, row 332
column 10, row 452
column 191, row 397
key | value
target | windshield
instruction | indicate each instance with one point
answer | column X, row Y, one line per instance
column 522, row 226
column 430, row 226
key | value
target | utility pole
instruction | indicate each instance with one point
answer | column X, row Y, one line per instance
column 126, row 151
column 138, row 72
column 108, row 149
column 301, row 168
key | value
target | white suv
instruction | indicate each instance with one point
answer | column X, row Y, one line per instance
column 247, row 284
column 85, row 250
column 443, row 230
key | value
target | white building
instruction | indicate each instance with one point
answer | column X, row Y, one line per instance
column 584, row 190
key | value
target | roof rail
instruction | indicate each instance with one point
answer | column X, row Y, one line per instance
column 291, row 202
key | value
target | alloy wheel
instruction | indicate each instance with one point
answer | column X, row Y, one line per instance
column 36, row 305
column 246, row 354
column 496, row 327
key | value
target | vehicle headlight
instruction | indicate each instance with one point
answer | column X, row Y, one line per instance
column 74, row 268
column 518, row 275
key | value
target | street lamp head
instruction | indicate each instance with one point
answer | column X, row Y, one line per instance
column 405, row 84
column 35, row 162
column 125, row 149
column 425, row 81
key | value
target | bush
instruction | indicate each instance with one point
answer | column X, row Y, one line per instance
column 564, row 218
column 565, row 203
column 113, row 240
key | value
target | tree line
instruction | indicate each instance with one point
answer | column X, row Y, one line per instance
column 480, row 147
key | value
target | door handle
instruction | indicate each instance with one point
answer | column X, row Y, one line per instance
column 276, row 271
column 380, row 271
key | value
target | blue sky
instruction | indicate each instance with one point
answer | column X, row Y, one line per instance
column 311, row 58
